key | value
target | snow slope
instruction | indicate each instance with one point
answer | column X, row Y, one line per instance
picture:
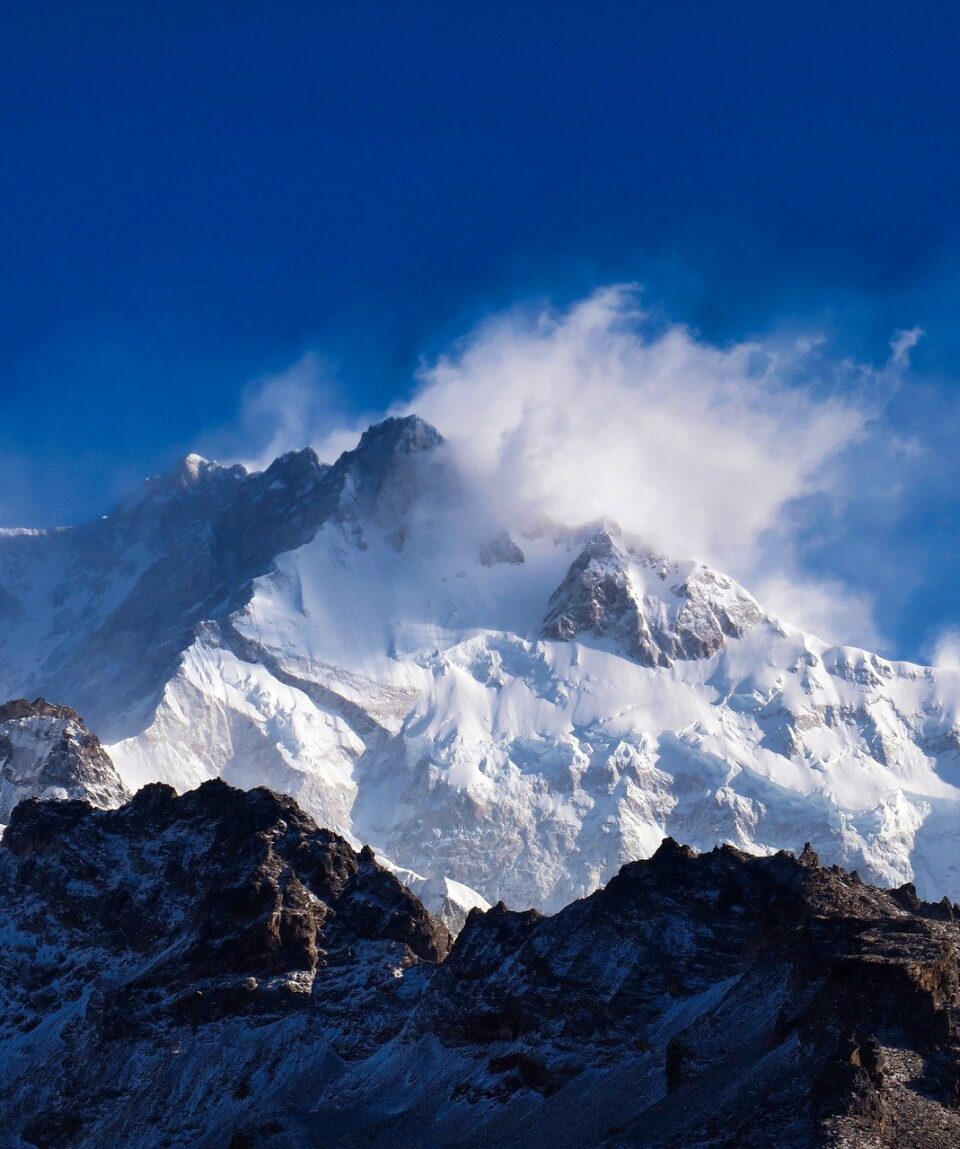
column 519, row 708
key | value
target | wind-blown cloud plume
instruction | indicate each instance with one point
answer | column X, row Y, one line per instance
column 601, row 410
column 593, row 412
column 945, row 651
column 281, row 412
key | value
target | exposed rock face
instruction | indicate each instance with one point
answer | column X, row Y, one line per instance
column 135, row 938
column 603, row 595
column 501, row 549
column 720, row 999
column 46, row 751
column 383, row 477
column 214, row 971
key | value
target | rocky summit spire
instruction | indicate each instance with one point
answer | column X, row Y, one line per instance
column 388, row 470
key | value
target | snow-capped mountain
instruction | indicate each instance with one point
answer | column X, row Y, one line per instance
column 514, row 707
column 46, row 751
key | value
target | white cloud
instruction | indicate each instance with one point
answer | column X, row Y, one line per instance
column 284, row 412
column 598, row 411
column 699, row 449
column 902, row 343
column 824, row 607
column 945, row 654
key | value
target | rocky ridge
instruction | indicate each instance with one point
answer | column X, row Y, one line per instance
column 46, row 751
column 602, row 595
column 181, row 551
column 214, row 970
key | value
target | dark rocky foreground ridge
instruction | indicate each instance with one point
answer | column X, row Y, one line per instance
column 214, row 970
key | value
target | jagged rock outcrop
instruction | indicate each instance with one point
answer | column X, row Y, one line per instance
column 717, row 999
column 46, row 751
column 137, row 937
column 213, row 970
column 608, row 592
column 382, row 478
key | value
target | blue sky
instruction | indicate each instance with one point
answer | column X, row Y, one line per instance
column 194, row 196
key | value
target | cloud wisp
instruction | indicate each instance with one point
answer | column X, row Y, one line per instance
column 702, row 451
column 600, row 410
column 944, row 652
column 299, row 406
column 584, row 413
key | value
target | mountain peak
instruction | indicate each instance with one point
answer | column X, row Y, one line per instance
column 194, row 468
column 399, row 434
column 383, row 475
column 655, row 611
column 192, row 463
column 298, row 470
column 192, row 472
column 46, row 751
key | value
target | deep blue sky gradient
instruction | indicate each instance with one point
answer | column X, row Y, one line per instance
column 194, row 194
